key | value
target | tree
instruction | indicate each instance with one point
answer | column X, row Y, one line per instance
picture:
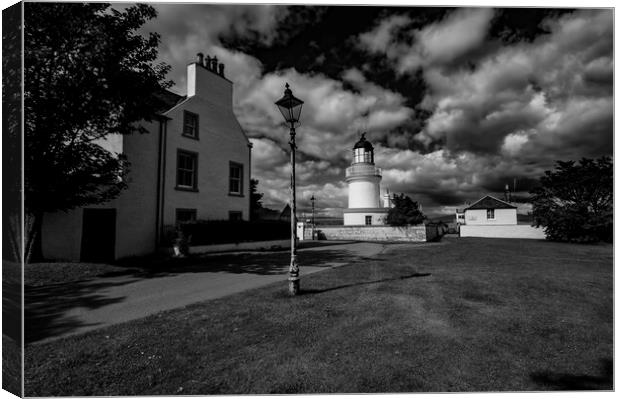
column 255, row 199
column 89, row 73
column 405, row 211
column 575, row 201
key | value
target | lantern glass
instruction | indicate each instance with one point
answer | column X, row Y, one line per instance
column 290, row 106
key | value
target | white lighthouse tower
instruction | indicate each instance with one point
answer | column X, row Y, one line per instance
column 363, row 178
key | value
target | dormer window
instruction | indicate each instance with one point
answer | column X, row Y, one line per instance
column 190, row 124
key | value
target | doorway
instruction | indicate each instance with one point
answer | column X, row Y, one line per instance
column 98, row 235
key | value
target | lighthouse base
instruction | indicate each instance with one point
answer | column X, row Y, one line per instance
column 365, row 216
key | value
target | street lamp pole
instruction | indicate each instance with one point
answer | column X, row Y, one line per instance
column 290, row 107
column 293, row 272
column 312, row 199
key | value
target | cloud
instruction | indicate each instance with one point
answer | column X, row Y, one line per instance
column 491, row 112
column 437, row 43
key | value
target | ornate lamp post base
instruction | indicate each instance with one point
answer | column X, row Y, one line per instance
column 293, row 286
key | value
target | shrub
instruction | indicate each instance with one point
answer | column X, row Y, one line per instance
column 206, row 232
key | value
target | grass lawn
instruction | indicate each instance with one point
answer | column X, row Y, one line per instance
column 461, row 315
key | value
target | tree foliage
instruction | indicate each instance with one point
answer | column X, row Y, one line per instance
column 574, row 202
column 404, row 212
column 255, row 199
column 89, row 73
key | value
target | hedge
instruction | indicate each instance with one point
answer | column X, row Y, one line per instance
column 206, row 232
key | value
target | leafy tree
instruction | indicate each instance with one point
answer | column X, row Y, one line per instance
column 405, row 211
column 575, row 201
column 89, row 73
column 11, row 133
column 255, row 199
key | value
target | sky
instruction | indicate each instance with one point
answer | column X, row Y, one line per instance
column 458, row 102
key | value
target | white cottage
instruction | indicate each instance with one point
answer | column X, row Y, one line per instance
column 194, row 164
column 493, row 218
column 490, row 211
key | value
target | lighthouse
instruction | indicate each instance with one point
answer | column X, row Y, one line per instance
column 363, row 179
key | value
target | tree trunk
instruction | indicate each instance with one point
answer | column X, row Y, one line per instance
column 32, row 235
column 12, row 227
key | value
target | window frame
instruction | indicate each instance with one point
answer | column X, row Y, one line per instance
column 232, row 164
column 368, row 220
column 491, row 212
column 194, row 156
column 196, row 117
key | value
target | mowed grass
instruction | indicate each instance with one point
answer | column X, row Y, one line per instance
column 460, row 315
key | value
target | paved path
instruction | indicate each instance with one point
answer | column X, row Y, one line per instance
column 111, row 300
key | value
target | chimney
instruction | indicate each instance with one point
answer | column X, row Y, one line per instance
column 507, row 196
column 204, row 78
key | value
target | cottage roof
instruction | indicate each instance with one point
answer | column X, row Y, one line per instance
column 363, row 143
column 490, row 202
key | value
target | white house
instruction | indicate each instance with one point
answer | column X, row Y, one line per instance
column 494, row 218
column 194, row 164
column 363, row 178
column 490, row 211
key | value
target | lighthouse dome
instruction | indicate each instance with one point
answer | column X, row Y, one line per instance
column 363, row 143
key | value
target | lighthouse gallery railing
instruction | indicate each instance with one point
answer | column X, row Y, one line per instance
column 362, row 170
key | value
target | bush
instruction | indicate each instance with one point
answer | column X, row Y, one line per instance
column 207, row 232
column 405, row 212
column 574, row 202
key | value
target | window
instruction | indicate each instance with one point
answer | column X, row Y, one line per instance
column 235, row 216
column 190, row 124
column 187, row 170
column 235, row 181
column 368, row 220
column 490, row 213
column 361, row 155
column 185, row 215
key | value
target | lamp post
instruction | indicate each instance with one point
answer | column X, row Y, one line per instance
column 312, row 199
column 290, row 107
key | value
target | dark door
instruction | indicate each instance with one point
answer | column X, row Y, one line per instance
column 98, row 235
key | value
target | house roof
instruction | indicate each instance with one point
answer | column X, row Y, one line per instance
column 490, row 202
column 169, row 99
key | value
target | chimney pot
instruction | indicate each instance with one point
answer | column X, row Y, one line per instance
column 221, row 70
column 199, row 58
column 214, row 64
column 206, row 62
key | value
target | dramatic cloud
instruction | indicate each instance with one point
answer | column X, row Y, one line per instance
column 470, row 113
column 512, row 111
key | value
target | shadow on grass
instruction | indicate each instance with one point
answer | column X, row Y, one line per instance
column 262, row 264
column 319, row 291
column 577, row 382
column 46, row 307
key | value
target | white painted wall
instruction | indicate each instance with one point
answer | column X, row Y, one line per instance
column 364, row 193
column 503, row 231
column 479, row 217
column 355, row 219
column 221, row 140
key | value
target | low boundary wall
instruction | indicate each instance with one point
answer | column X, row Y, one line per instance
column 503, row 231
column 419, row 233
column 241, row 246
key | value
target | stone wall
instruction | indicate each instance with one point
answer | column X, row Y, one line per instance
column 373, row 233
column 506, row 231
